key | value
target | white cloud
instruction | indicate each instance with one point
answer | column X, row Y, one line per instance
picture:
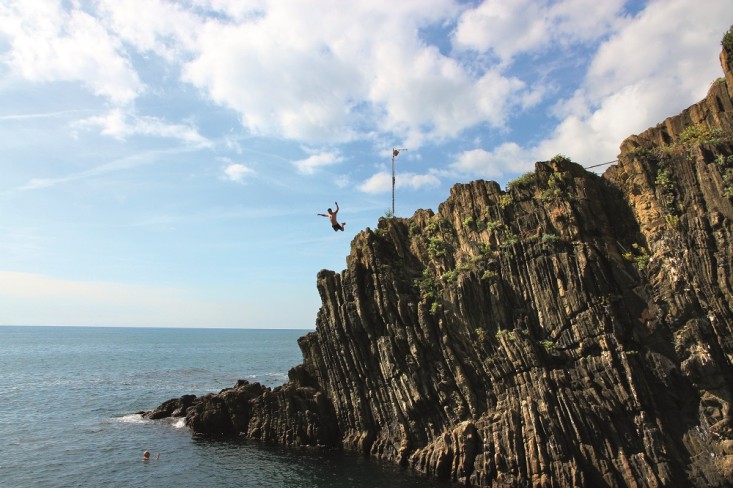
column 510, row 28
column 657, row 65
column 277, row 73
column 237, row 172
column 438, row 97
column 337, row 84
column 122, row 124
column 382, row 182
column 382, row 74
column 312, row 163
column 670, row 40
column 166, row 29
column 268, row 63
column 595, row 137
column 505, row 159
column 49, row 44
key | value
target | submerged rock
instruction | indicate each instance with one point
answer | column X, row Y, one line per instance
column 573, row 330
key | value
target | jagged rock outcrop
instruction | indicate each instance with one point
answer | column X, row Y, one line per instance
column 573, row 330
column 294, row 414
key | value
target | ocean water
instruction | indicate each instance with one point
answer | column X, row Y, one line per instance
column 68, row 397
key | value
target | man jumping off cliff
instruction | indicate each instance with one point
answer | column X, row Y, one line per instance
column 332, row 216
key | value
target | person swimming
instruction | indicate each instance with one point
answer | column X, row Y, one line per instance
column 146, row 456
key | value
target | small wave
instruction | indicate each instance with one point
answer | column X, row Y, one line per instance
column 179, row 423
column 133, row 418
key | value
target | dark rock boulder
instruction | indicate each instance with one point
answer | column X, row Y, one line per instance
column 293, row 414
column 176, row 407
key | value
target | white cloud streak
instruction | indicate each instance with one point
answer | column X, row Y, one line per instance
column 120, row 164
column 122, row 124
column 314, row 162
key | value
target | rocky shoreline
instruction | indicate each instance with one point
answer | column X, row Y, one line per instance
column 571, row 330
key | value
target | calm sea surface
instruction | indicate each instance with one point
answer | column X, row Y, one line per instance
column 68, row 398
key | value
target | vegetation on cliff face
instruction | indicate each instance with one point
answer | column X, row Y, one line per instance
column 570, row 330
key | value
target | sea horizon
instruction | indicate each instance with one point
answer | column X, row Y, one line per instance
column 155, row 327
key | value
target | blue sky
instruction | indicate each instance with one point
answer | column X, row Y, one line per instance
column 163, row 162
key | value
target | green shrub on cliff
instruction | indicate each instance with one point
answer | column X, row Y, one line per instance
column 664, row 181
column 437, row 225
column 559, row 186
column 489, row 275
column 427, row 286
column 524, row 182
column 726, row 171
column 560, row 158
column 469, row 223
column 701, row 134
column 638, row 255
column 506, row 334
column 549, row 241
column 727, row 41
column 450, row 276
column 481, row 334
column 437, row 247
column 728, row 183
column 493, row 225
column 548, row 345
column 414, row 229
column 509, row 240
column 505, row 200
column 672, row 221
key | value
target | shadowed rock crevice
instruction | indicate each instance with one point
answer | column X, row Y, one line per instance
column 571, row 330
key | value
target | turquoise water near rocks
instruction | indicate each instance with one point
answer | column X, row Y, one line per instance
column 68, row 397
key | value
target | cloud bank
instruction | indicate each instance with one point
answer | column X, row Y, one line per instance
column 424, row 73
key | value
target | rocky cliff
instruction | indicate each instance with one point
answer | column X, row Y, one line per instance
column 571, row 330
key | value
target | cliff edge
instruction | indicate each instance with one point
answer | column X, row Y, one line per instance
column 571, row 330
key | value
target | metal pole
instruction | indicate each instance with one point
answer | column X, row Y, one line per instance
column 395, row 153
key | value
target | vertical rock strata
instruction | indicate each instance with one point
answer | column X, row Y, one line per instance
column 573, row 330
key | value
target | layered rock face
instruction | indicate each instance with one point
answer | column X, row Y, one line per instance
column 572, row 330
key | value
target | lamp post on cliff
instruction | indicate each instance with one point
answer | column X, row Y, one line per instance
column 395, row 153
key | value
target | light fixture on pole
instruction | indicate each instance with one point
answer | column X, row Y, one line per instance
column 395, row 153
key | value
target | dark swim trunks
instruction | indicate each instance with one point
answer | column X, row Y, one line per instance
column 336, row 226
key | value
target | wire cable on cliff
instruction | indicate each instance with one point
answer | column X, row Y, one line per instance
column 601, row 164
